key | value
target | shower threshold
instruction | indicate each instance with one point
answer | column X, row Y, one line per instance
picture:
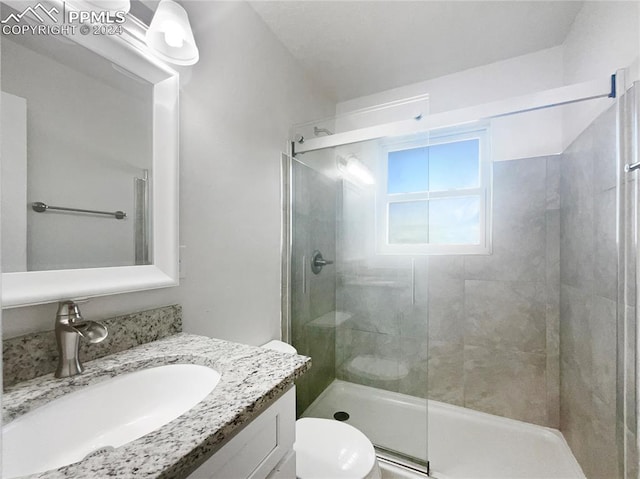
column 462, row 443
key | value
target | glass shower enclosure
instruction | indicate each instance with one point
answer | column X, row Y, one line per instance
column 417, row 265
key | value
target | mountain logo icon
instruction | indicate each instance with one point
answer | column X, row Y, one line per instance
column 33, row 11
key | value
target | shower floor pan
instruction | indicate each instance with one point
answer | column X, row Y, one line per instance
column 463, row 444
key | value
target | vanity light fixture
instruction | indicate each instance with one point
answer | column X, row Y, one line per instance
column 352, row 168
column 170, row 35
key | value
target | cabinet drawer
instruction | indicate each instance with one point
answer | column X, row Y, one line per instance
column 256, row 450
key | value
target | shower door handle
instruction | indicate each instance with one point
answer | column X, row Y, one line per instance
column 318, row 262
column 413, row 281
column 322, row 262
column 304, row 274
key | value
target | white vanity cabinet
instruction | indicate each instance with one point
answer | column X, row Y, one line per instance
column 262, row 449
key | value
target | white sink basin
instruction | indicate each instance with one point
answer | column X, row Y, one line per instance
column 104, row 415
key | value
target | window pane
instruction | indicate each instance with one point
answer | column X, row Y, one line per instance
column 408, row 222
column 454, row 165
column 454, row 220
column 408, row 171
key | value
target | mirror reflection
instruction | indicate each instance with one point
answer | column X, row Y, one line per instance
column 76, row 158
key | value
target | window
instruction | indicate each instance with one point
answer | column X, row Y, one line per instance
column 434, row 197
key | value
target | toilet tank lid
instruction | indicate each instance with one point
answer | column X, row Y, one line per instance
column 280, row 346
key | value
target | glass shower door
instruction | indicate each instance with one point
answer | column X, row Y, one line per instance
column 313, row 294
column 628, row 384
column 382, row 348
column 359, row 311
column 361, row 316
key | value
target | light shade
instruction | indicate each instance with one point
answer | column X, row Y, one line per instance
column 353, row 169
column 170, row 35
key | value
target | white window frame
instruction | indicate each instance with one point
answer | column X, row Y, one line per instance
column 483, row 191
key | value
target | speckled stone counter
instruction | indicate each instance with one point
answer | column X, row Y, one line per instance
column 251, row 378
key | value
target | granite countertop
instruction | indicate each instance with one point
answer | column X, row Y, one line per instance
column 251, row 378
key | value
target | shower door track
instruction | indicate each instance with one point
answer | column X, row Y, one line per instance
column 535, row 101
column 401, row 460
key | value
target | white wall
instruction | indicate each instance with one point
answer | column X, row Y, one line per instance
column 605, row 37
column 236, row 110
column 517, row 76
column 237, row 113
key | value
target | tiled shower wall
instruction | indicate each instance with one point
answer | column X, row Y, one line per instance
column 313, row 297
column 492, row 338
column 588, row 296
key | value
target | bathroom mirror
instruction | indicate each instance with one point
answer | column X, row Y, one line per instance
column 89, row 163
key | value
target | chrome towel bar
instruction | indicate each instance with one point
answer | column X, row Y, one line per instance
column 41, row 207
column 631, row 167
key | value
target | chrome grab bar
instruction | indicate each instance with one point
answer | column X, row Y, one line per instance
column 41, row 207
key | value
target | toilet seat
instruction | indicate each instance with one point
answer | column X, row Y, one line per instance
column 328, row 449
column 280, row 346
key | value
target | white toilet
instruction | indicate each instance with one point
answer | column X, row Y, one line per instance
column 328, row 449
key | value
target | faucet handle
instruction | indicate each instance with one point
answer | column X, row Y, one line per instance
column 92, row 331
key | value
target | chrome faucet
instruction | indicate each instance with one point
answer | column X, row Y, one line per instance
column 70, row 326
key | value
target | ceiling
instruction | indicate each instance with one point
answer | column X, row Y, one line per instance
column 356, row 48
